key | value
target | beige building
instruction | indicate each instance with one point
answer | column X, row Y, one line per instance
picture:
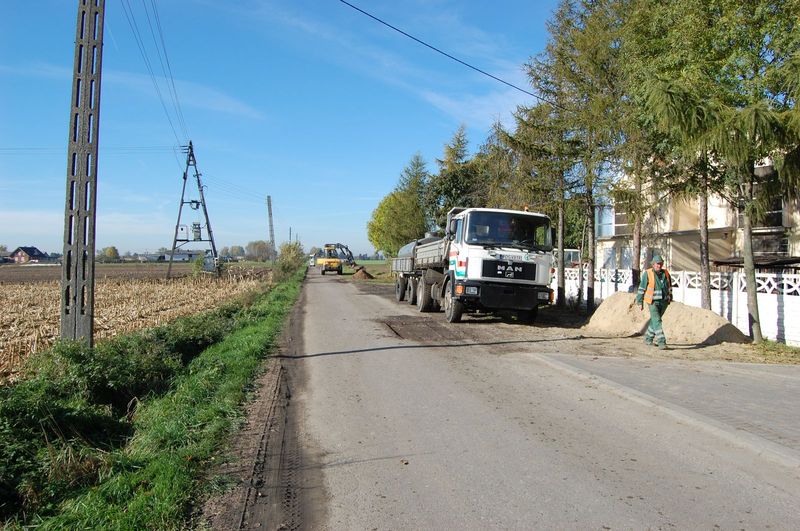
column 673, row 230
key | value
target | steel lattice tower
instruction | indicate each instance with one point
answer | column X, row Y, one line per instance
column 77, row 272
column 191, row 162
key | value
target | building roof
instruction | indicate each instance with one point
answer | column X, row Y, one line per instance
column 31, row 251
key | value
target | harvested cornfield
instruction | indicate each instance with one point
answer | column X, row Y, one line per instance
column 30, row 319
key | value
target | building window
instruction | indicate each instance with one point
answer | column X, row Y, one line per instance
column 621, row 225
column 772, row 216
column 604, row 222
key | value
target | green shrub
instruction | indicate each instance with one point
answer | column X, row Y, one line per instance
column 291, row 258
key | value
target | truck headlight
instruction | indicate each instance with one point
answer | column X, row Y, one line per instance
column 472, row 290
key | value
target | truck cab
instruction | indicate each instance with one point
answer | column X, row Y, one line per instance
column 498, row 260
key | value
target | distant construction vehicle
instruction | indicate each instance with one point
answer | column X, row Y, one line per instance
column 330, row 260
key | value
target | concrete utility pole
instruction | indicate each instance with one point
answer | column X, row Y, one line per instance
column 77, row 270
column 271, row 227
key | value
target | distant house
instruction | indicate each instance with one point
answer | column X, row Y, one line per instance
column 151, row 257
column 187, row 256
column 24, row 255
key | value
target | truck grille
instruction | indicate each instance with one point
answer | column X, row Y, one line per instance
column 509, row 270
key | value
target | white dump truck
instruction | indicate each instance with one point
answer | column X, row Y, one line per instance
column 490, row 260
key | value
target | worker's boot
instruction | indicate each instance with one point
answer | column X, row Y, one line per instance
column 662, row 346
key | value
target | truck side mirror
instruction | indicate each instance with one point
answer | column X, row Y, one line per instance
column 552, row 236
column 451, row 228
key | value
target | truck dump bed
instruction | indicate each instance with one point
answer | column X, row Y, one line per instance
column 405, row 261
column 432, row 254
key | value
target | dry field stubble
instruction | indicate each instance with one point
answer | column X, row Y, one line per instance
column 30, row 318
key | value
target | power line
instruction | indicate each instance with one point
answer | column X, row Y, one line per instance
column 168, row 70
column 143, row 51
column 234, row 191
column 373, row 17
column 103, row 149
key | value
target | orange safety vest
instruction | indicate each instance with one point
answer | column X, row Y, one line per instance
column 651, row 285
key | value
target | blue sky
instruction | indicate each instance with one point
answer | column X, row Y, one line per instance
column 308, row 101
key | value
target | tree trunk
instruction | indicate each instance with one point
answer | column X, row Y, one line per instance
column 581, row 249
column 705, row 271
column 636, row 243
column 591, row 248
column 749, row 264
column 636, row 253
column 561, row 298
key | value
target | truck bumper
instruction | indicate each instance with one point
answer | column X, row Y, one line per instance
column 500, row 296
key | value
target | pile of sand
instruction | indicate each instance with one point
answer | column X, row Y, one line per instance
column 618, row 316
column 362, row 274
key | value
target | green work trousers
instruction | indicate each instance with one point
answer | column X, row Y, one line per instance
column 655, row 330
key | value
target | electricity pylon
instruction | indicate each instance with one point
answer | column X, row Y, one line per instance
column 182, row 231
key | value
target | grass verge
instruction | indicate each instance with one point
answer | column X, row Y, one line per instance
column 102, row 440
column 775, row 352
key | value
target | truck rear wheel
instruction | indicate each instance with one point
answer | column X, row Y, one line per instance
column 411, row 294
column 453, row 308
column 322, row 270
column 339, row 270
column 400, row 287
column 424, row 300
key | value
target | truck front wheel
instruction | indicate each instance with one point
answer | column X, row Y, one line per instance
column 453, row 308
column 424, row 300
column 400, row 287
column 527, row 316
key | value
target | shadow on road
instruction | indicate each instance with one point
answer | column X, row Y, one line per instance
column 432, row 345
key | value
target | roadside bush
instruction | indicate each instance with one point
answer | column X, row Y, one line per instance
column 291, row 258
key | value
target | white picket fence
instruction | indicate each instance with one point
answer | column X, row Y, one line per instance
column 778, row 297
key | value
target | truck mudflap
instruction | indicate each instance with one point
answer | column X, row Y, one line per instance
column 500, row 296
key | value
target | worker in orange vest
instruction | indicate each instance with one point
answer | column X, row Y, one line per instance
column 656, row 290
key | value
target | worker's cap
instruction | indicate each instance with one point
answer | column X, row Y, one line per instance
column 657, row 259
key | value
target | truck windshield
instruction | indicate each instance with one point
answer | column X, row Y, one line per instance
column 506, row 229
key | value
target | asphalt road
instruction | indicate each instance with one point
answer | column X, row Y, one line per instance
column 413, row 423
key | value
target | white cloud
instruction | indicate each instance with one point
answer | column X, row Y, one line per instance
column 478, row 111
column 432, row 85
column 190, row 94
column 32, row 223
